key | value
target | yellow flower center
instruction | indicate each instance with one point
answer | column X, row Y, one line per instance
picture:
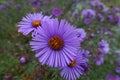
column 56, row 43
column 36, row 23
column 73, row 63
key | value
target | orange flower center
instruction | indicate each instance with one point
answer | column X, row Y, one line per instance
column 36, row 23
column 73, row 63
column 56, row 43
column 56, row 11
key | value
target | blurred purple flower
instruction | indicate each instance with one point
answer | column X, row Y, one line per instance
column 37, row 6
column 22, row 60
column 105, row 10
column 85, row 53
column 108, row 32
column 117, row 9
column 33, row 1
column 117, row 61
column 81, row 34
column 103, row 47
column 97, row 4
column 2, row 7
column 86, row 21
column 76, row 1
column 100, row 17
column 114, row 19
column 75, row 13
column 118, row 69
column 56, row 12
column 99, row 60
column 88, row 13
column 101, row 31
column 92, row 35
column 55, row 43
column 31, row 22
column 18, row 7
column 117, row 19
column 112, row 77
column 85, row 66
column 110, row 17
column 77, row 67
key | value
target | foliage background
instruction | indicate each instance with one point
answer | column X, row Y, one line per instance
column 14, row 45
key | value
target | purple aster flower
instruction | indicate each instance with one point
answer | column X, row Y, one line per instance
column 31, row 22
column 55, row 43
column 99, row 60
column 88, row 13
column 87, row 21
column 114, row 19
column 106, row 10
column 97, row 4
column 117, row 9
column 110, row 17
column 22, row 60
column 75, row 69
column 103, row 47
column 112, row 77
column 81, row 34
column 117, row 20
column 56, row 12
column 100, row 17
column 118, row 69
column 85, row 66
column 85, row 53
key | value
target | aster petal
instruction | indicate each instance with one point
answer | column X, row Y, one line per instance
column 37, row 45
column 65, row 57
column 41, row 52
column 69, row 55
column 44, row 57
column 71, row 50
column 73, row 74
column 51, row 60
column 25, row 31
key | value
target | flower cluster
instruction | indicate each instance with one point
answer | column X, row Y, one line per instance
column 56, row 43
column 103, row 48
column 97, row 12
